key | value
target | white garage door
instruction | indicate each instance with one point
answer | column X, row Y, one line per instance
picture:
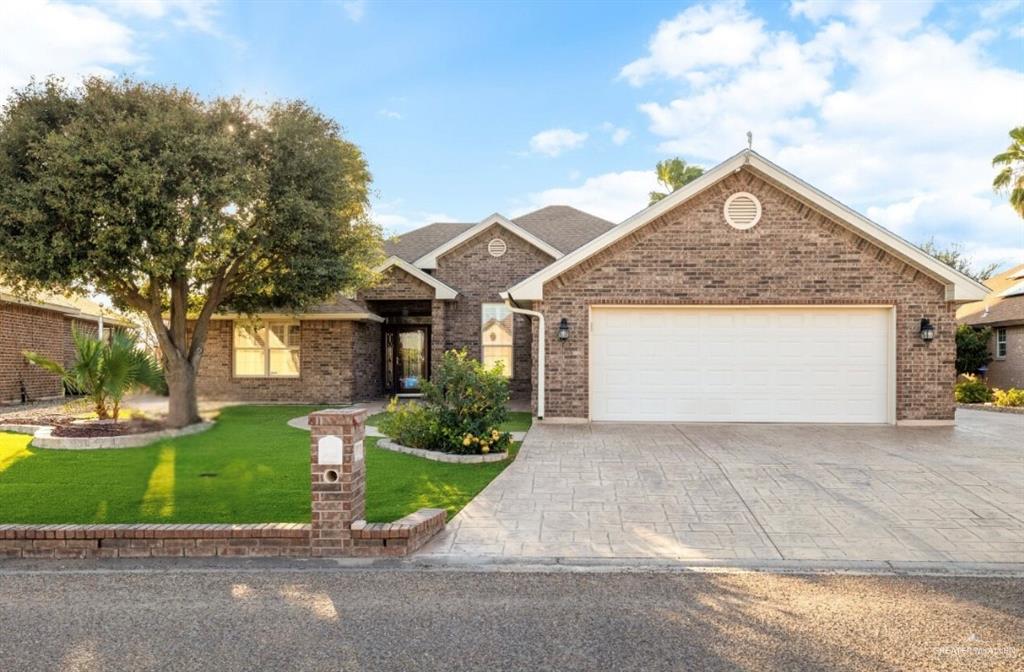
column 740, row 364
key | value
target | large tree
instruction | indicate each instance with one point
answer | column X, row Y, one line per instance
column 180, row 208
column 673, row 174
column 954, row 257
column 1010, row 178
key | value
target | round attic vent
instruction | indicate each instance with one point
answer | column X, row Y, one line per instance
column 742, row 210
column 497, row 247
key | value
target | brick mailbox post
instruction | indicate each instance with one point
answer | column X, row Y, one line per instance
column 338, row 486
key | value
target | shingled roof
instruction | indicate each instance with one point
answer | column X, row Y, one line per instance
column 563, row 227
column 1005, row 305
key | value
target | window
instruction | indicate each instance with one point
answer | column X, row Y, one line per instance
column 270, row 349
column 496, row 336
column 1000, row 343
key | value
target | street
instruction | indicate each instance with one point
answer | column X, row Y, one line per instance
column 285, row 617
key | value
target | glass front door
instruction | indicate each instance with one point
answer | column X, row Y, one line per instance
column 406, row 358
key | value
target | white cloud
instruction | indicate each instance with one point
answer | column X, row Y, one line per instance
column 395, row 221
column 553, row 142
column 613, row 196
column 390, row 114
column 878, row 107
column 198, row 15
column 72, row 41
column 355, row 9
column 699, row 38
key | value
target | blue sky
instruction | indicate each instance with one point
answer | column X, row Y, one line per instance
column 464, row 109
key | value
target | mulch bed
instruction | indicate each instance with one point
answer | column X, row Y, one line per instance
column 68, row 426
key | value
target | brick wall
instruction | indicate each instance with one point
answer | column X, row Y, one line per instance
column 793, row 256
column 27, row 328
column 478, row 277
column 397, row 285
column 1009, row 372
column 339, row 362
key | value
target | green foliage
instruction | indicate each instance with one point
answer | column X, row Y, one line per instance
column 972, row 348
column 1012, row 397
column 954, row 257
column 972, row 390
column 674, row 174
column 104, row 370
column 1010, row 178
column 463, row 408
column 178, row 207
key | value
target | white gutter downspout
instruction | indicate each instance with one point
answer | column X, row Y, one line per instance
column 540, row 349
column 99, row 326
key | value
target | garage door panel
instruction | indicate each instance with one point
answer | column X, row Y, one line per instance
column 745, row 365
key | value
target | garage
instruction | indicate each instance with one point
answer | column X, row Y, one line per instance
column 821, row 364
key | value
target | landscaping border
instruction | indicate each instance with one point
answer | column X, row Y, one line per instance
column 992, row 408
column 437, row 456
column 43, row 437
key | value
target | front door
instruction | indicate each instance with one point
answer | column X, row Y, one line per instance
column 406, row 358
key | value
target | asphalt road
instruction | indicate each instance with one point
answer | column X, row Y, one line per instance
column 231, row 619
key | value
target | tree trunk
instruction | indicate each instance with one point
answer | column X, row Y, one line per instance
column 181, row 386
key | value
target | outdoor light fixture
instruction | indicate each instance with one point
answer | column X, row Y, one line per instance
column 563, row 330
column 927, row 330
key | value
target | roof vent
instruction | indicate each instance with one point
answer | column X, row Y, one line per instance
column 742, row 210
column 497, row 247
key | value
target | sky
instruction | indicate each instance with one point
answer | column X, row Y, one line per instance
column 464, row 109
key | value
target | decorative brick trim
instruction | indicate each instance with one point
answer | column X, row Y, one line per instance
column 400, row 537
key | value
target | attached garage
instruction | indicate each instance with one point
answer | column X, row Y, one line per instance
column 826, row 364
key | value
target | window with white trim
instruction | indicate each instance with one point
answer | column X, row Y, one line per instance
column 496, row 321
column 266, row 350
column 1001, row 343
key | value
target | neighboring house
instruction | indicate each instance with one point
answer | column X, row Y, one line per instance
column 1003, row 311
column 747, row 295
column 43, row 324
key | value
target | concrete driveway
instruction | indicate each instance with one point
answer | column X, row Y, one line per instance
column 756, row 492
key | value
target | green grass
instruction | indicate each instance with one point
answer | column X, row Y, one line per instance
column 518, row 421
column 251, row 468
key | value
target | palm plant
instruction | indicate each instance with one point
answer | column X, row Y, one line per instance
column 105, row 370
column 674, row 174
column 1011, row 176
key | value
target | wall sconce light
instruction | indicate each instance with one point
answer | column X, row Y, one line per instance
column 927, row 332
column 563, row 330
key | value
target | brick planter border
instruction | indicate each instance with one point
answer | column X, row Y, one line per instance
column 43, row 437
column 388, row 444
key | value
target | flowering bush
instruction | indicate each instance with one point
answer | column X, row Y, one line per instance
column 1011, row 397
column 972, row 390
column 463, row 406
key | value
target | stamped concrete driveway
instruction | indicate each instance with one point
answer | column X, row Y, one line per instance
column 756, row 492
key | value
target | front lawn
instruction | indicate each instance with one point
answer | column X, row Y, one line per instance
column 251, row 468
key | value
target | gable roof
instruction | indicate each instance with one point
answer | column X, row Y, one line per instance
column 1005, row 304
column 429, row 260
column 441, row 290
column 959, row 287
column 563, row 227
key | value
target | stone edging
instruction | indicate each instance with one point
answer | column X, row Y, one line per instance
column 992, row 408
column 43, row 437
column 388, row 444
column 401, row 537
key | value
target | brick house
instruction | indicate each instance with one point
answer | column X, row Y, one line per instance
column 1003, row 312
column 43, row 324
column 748, row 295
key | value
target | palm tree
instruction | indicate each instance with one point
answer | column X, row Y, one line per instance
column 673, row 174
column 104, row 371
column 1011, row 176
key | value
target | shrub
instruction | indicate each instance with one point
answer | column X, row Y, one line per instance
column 1011, row 397
column 463, row 405
column 972, row 390
column 972, row 348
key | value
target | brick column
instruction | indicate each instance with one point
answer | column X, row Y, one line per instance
column 338, row 479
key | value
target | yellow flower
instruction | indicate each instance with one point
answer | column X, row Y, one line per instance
column 466, row 441
column 484, row 448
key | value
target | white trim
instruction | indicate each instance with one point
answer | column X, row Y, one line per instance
column 1006, row 343
column 429, row 260
column 959, row 287
column 890, row 402
column 352, row 317
column 441, row 290
column 73, row 312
